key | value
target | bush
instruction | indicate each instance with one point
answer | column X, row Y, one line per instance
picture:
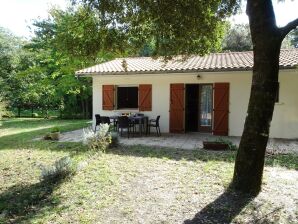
column 35, row 115
column 98, row 141
column 55, row 129
column 231, row 145
column 61, row 169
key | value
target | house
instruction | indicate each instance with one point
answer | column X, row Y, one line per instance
column 199, row 94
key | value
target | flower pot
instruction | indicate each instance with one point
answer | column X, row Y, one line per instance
column 55, row 136
column 215, row 146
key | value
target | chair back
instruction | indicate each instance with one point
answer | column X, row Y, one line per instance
column 123, row 122
column 157, row 120
column 97, row 119
column 105, row 120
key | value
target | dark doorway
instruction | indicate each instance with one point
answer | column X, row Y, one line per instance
column 191, row 107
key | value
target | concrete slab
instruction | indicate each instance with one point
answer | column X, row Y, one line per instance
column 189, row 141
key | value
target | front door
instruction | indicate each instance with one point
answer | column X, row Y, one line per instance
column 201, row 113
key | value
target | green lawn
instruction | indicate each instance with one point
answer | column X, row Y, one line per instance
column 133, row 184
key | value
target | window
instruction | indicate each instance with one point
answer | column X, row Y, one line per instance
column 127, row 97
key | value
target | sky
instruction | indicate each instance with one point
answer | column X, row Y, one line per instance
column 17, row 15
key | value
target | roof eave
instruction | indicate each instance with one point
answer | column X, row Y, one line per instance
column 90, row 74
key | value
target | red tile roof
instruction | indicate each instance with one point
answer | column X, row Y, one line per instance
column 230, row 61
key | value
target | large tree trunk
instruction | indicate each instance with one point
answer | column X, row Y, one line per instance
column 266, row 40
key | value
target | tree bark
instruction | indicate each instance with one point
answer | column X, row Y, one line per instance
column 266, row 38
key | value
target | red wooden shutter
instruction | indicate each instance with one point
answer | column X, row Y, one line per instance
column 145, row 97
column 107, row 97
column 221, row 109
column 177, row 108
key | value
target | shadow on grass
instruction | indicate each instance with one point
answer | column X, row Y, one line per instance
column 289, row 161
column 22, row 203
column 222, row 210
column 172, row 153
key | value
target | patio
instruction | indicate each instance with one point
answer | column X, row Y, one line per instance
column 189, row 141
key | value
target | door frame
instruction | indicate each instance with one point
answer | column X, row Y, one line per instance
column 200, row 129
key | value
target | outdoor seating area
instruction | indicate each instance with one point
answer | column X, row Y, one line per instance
column 130, row 124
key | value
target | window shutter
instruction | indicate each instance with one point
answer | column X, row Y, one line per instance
column 177, row 108
column 221, row 109
column 107, row 97
column 145, row 97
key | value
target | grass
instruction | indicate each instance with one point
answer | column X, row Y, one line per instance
column 135, row 184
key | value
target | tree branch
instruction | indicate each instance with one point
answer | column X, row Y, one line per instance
column 290, row 26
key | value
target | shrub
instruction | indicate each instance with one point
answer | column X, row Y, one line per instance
column 97, row 141
column 35, row 115
column 231, row 145
column 55, row 129
column 61, row 169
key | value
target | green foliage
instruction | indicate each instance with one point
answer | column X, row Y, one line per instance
column 237, row 38
column 177, row 27
column 55, row 129
column 231, row 145
column 35, row 115
column 293, row 37
column 98, row 141
column 3, row 109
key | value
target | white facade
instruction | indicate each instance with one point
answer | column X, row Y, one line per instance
column 285, row 118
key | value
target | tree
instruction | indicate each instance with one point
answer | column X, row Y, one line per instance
column 11, row 54
column 267, row 39
column 193, row 26
column 293, row 36
column 58, row 57
column 237, row 38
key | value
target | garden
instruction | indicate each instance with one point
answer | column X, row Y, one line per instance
column 45, row 181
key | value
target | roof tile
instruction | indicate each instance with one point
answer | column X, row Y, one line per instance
column 212, row 62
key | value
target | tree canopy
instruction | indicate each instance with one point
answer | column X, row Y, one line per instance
column 175, row 27
column 237, row 38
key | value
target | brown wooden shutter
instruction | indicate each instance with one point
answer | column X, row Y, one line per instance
column 221, row 109
column 107, row 97
column 177, row 108
column 145, row 97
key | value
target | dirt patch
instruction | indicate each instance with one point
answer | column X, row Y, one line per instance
column 168, row 191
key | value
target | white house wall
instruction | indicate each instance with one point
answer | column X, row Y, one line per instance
column 285, row 118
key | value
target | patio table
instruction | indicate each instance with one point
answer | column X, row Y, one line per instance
column 140, row 120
